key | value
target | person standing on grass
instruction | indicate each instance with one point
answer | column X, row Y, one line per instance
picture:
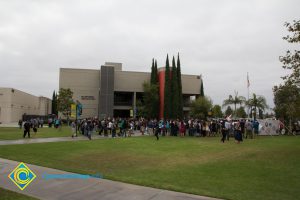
column 73, row 127
column 131, row 128
column 224, row 131
column 35, row 125
column 123, row 127
column 204, row 129
column 27, row 126
column 109, row 125
column 172, row 125
column 255, row 126
column 242, row 125
column 153, row 125
column 157, row 130
column 182, row 129
column 90, row 128
column 60, row 124
column 105, row 128
column 50, row 122
column 42, row 123
column 227, row 128
column 143, row 125
column 34, row 128
column 20, row 123
column 238, row 132
column 248, row 127
column 113, row 129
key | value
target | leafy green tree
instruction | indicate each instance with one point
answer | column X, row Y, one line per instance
column 291, row 60
column 64, row 101
column 228, row 111
column 287, row 102
column 200, row 107
column 255, row 103
column 167, row 96
column 180, row 98
column 241, row 113
column 286, row 96
column 149, row 107
column 234, row 100
column 217, row 111
column 174, row 92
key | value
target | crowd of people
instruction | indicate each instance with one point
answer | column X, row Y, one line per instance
column 36, row 123
column 116, row 127
column 123, row 127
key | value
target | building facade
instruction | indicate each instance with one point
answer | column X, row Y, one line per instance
column 112, row 92
column 15, row 103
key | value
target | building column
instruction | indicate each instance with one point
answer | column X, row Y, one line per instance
column 106, row 97
column 161, row 80
column 134, row 104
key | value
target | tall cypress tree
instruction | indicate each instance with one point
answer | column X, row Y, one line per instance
column 180, row 101
column 167, row 97
column 152, row 72
column 155, row 72
column 156, row 104
column 201, row 89
column 174, row 92
column 54, row 103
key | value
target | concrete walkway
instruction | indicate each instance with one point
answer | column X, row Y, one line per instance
column 58, row 139
column 91, row 188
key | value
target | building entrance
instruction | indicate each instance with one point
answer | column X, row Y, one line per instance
column 122, row 113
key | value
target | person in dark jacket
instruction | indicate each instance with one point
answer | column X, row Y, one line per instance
column 157, row 130
column 27, row 126
column 224, row 131
column 90, row 128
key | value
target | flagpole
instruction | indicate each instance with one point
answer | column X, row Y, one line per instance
column 248, row 85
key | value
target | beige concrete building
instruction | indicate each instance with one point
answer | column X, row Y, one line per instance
column 110, row 91
column 14, row 103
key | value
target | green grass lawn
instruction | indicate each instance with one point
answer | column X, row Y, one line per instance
column 9, row 195
column 263, row 168
column 17, row 133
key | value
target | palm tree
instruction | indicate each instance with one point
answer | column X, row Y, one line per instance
column 257, row 102
column 234, row 100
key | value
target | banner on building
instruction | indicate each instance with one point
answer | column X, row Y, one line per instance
column 73, row 110
column 131, row 113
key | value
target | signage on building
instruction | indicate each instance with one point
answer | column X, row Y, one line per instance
column 87, row 98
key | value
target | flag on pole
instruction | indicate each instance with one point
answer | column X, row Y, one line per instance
column 248, row 82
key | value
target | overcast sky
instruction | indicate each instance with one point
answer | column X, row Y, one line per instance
column 222, row 40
